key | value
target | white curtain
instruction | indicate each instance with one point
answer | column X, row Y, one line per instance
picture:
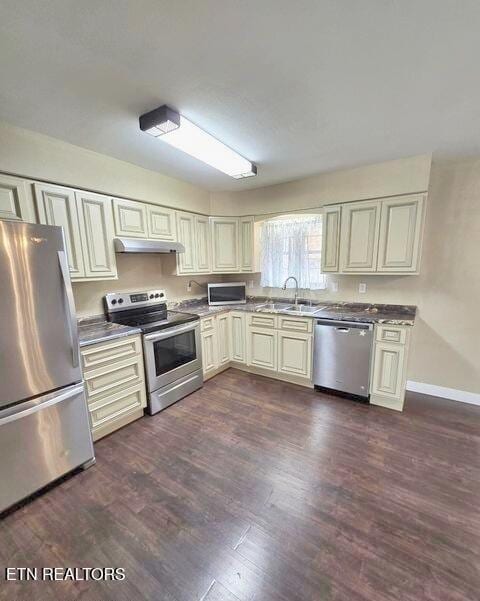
column 292, row 246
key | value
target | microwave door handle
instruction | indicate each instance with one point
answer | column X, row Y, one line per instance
column 170, row 332
column 72, row 319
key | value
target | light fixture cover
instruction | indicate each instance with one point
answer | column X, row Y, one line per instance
column 178, row 131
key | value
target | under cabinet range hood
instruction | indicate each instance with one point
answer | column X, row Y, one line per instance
column 132, row 245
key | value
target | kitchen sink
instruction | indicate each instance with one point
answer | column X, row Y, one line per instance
column 303, row 309
column 273, row 307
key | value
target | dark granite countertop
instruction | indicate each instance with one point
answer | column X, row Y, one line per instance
column 363, row 312
column 97, row 329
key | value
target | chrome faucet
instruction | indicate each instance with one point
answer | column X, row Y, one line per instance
column 284, row 287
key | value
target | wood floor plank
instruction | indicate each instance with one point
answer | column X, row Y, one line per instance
column 252, row 489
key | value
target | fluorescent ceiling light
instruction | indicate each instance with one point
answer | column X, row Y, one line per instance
column 178, row 131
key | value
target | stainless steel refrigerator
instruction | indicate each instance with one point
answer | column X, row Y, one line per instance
column 44, row 423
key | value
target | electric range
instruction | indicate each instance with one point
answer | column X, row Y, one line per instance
column 171, row 344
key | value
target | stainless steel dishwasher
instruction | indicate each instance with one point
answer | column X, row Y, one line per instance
column 342, row 357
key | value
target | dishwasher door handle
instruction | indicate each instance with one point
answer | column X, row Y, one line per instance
column 343, row 330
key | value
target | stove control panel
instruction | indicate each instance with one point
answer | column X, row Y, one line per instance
column 116, row 301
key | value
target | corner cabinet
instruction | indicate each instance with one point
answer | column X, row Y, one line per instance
column 246, row 243
column 225, row 244
column 375, row 236
column 96, row 233
column 195, row 259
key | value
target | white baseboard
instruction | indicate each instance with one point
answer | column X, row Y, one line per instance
column 445, row 393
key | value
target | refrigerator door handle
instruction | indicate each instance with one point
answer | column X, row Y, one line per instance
column 17, row 412
column 72, row 318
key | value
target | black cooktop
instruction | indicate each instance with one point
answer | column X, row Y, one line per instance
column 151, row 321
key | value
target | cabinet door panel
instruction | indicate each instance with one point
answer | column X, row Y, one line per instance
column 186, row 235
column 295, row 354
column 388, row 369
column 209, row 351
column 225, row 244
column 223, row 339
column 130, row 218
column 359, row 244
column 13, row 198
column 238, row 337
column 97, row 233
column 262, row 348
column 400, row 233
column 57, row 206
column 161, row 223
column 203, row 244
column 246, row 244
column 331, row 239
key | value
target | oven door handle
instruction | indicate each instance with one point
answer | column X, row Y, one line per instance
column 168, row 333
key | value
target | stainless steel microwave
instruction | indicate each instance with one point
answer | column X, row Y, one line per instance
column 228, row 293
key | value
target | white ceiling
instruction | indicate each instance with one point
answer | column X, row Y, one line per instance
column 298, row 87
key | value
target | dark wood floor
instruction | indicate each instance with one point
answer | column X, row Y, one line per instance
column 253, row 489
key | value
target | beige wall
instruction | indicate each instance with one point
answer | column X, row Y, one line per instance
column 402, row 176
column 36, row 156
column 138, row 272
column 444, row 349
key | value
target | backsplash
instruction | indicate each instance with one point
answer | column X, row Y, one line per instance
column 139, row 272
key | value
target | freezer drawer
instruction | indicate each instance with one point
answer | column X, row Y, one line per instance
column 342, row 356
column 40, row 441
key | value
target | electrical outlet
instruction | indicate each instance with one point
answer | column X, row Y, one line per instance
column 250, row 284
column 362, row 287
column 189, row 288
column 334, row 286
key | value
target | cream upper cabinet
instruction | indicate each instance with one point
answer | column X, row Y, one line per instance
column 130, row 218
column 359, row 236
column 225, row 244
column 14, row 201
column 246, row 243
column 160, row 223
column 331, row 239
column 239, row 350
column 295, row 354
column 223, row 338
column 97, row 233
column 203, row 262
column 56, row 205
column 186, row 235
column 401, row 226
column 262, row 348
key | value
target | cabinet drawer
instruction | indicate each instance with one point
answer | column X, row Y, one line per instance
column 108, row 379
column 261, row 320
column 207, row 324
column 391, row 334
column 295, row 324
column 117, row 405
column 106, row 353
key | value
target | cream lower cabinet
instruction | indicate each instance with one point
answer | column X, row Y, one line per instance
column 216, row 337
column 238, row 336
column 295, row 354
column 282, row 345
column 114, row 383
column 374, row 237
column 224, row 335
column 262, row 348
column 388, row 377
